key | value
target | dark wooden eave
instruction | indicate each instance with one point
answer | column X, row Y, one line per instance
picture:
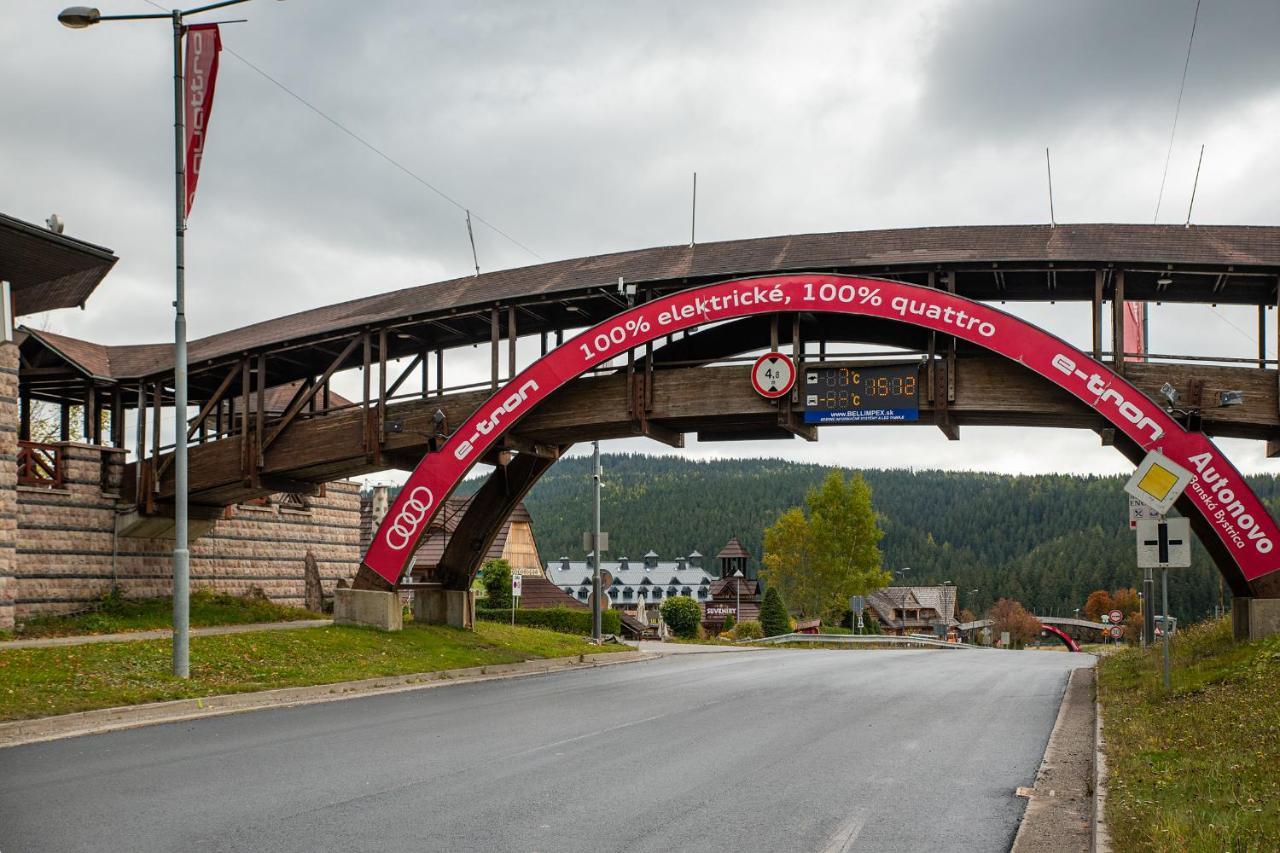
column 47, row 270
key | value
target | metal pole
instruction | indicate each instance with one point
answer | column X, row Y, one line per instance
column 1164, row 583
column 181, row 556
column 1148, row 608
column 595, row 543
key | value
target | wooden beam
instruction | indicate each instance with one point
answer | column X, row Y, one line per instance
column 278, row 484
column 140, row 450
column 244, row 417
column 941, row 402
column 511, row 441
column 364, row 411
column 404, row 374
column 155, row 422
column 440, row 372
column 300, row 400
column 117, row 417
column 1099, row 276
column 426, row 378
column 494, row 338
column 382, row 386
column 1262, row 337
column 512, row 335
column 215, row 400
column 64, row 421
column 1117, row 323
column 663, row 434
column 260, row 416
column 90, row 406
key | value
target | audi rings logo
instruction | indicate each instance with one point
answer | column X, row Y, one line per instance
column 410, row 518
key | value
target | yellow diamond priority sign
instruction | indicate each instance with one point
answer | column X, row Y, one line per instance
column 1158, row 482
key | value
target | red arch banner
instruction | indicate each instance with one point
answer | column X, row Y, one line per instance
column 1218, row 491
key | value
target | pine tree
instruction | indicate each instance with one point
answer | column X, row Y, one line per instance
column 773, row 614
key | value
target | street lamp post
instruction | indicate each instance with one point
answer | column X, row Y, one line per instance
column 79, row 17
column 596, row 475
column 737, row 591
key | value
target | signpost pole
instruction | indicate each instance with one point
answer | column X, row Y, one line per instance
column 1148, row 608
column 1164, row 583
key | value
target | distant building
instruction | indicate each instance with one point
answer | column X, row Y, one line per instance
column 514, row 542
column 633, row 584
column 915, row 609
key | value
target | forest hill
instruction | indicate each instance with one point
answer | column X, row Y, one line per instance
column 1046, row 540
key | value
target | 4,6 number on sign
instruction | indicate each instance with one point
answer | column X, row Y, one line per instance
column 773, row 375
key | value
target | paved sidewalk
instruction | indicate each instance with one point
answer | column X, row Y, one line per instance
column 163, row 634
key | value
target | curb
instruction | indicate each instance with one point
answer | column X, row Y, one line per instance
column 1036, row 830
column 1100, row 839
column 22, row 732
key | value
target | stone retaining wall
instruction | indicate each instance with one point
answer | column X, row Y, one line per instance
column 8, row 481
column 68, row 555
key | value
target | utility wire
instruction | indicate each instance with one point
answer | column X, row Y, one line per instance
column 384, row 155
column 1177, row 110
column 375, row 149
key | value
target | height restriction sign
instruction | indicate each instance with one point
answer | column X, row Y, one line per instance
column 773, row 375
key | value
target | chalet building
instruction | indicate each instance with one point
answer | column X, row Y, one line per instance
column 635, row 585
column 736, row 591
column 904, row 610
column 514, row 542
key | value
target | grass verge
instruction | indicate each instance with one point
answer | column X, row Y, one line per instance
column 1199, row 768
column 115, row 614
column 62, row 679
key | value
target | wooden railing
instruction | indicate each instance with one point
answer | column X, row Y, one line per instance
column 40, row 464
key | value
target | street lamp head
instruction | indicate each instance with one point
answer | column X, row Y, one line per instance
column 79, row 17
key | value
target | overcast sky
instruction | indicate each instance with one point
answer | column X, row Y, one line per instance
column 575, row 127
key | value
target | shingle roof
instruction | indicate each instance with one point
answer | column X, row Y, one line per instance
column 537, row 593
column 733, row 548
column 47, row 270
column 940, row 598
column 1241, row 246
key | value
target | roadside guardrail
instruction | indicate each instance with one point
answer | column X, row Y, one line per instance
column 911, row 640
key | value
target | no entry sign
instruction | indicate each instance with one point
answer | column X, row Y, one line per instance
column 773, row 375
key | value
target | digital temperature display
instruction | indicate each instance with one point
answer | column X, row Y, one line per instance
column 850, row 394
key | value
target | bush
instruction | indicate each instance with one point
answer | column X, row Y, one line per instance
column 728, row 623
column 560, row 619
column 496, row 576
column 748, row 630
column 773, row 614
column 682, row 615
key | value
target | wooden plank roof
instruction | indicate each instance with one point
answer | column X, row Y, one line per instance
column 47, row 270
column 1203, row 246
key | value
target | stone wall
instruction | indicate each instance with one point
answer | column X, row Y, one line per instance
column 68, row 553
column 8, row 481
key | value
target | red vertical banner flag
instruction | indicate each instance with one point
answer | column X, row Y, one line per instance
column 1135, row 339
column 201, row 72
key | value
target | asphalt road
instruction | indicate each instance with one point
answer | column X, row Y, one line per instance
column 802, row 750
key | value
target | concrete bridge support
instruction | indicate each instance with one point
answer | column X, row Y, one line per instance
column 437, row 606
column 1255, row 618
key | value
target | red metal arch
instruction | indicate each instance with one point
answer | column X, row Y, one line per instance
column 1072, row 645
column 1230, row 510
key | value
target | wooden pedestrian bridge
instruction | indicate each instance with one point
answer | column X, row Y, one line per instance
column 657, row 343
